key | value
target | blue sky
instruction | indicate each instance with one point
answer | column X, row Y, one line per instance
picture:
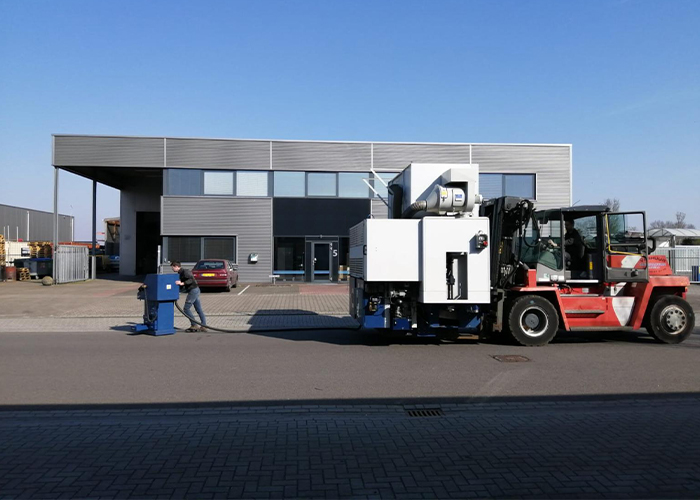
column 620, row 80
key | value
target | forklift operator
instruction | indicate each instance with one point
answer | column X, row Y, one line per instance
column 574, row 248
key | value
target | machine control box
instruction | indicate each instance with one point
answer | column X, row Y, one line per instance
column 162, row 287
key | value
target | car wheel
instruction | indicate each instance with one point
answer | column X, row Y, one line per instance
column 532, row 320
column 671, row 320
column 228, row 286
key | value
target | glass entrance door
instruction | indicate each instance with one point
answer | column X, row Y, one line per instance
column 322, row 262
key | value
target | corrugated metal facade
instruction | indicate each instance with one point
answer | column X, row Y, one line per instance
column 218, row 154
column 379, row 209
column 249, row 219
column 89, row 151
column 40, row 224
column 319, row 156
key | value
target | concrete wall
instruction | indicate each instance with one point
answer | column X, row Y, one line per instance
column 142, row 198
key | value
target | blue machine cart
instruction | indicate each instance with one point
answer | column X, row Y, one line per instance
column 159, row 293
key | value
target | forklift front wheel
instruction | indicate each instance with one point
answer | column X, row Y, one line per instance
column 532, row 320
column 671, row 320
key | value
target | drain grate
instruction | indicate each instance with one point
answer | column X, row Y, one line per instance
column 426, row 412
column 510, row 358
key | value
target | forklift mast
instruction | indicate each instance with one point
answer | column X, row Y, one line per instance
column 508, row 219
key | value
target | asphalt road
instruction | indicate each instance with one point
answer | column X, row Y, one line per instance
column 114, row 367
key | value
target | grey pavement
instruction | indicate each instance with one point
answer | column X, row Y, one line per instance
column 556, row 448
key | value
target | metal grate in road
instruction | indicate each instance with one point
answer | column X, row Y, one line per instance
column 426, row 412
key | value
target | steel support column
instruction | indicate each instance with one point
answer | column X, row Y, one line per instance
column 55, row 221
column 93, row 260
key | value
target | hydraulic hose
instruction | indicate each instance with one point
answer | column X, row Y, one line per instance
column 416, row 206
column 264, row 330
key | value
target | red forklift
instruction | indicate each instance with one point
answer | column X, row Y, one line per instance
column 579, row 268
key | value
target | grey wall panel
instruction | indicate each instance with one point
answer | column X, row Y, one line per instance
column 87, row 151
column 329, row 156
column 250, row 219
column 40, row 224
column 398, row 156
column 218, row 154
column 551, row 164
column 379, row 209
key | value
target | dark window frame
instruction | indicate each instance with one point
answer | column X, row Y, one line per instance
column 201, row 248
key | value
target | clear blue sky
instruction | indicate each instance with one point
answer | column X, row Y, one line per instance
column 620, row 80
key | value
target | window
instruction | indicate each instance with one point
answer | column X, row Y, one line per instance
column 210, row 264
column 220, row 248
column 490, row 185
column 319, row 184
column 194, row 248
column 251, row 183
column 521, row 185
column 183, row 182
column 218, row 183
column 290, row 184
column 496, row 185
column 379, row 186
column 352, row 185
column 184, row 249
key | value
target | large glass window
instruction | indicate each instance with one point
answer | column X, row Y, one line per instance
column 352, row 185
column 496, row 185
column 184, row 248
column 183, row 182
column 218, row 183
column 321, row 184
column 379, row 186
column 220, row 248
column 491, row 185
column 290, row 184
column 251, row 183
column 194, row 248
column 521, row 185
column 289, row 258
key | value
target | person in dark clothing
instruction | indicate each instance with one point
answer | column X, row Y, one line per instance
column 190, row 286
column 574, row 248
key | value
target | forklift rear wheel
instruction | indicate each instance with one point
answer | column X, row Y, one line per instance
column 532, row 320
column 671, row 320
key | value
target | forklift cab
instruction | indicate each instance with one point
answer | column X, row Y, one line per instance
column 586, row 245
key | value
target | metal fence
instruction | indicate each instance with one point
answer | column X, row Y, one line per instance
column 684, row 261
column 71, row 264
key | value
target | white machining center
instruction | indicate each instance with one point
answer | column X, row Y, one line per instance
column 428, row 265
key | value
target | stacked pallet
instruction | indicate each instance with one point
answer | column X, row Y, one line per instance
column 40, row 249
column 23, row 274
column 2, row 250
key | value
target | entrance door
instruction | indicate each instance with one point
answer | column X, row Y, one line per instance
column 321, row 262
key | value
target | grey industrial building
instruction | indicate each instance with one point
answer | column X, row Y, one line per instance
column 26, row 224
column 278, row 207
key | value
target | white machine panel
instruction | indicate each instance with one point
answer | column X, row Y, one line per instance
column 389, row 250
column 456, row 236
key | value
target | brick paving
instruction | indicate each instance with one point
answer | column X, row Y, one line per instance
column 551, row 448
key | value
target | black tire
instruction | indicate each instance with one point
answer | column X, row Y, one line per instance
column 532, row 320
column 228, row 286
column 235, row 285
column 671, row 320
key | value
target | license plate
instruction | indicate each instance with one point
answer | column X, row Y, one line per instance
column 208, row 275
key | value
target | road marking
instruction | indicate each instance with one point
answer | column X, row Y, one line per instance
column 246, row 288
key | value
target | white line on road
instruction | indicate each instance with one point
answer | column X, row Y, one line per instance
column 246, row 288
